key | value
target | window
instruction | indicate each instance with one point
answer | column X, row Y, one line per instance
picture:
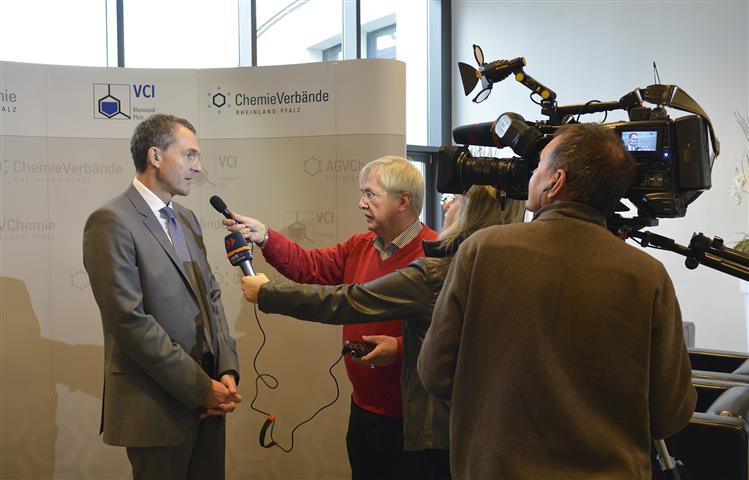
column 381, row 43
column 200, row 34
column 333, row 53
column 187, row 34
column 421, row 166
column 298, row 31
column 425, row 159
column 398, row 30
column 54, row 32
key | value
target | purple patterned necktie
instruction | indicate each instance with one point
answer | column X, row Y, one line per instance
column 178, row 238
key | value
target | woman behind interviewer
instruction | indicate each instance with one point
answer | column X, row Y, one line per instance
column 408, row 294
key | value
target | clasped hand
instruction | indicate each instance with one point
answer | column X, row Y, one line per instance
column 222, row 398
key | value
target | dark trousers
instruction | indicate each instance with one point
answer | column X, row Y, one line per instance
column 439, row 464
column 375, row 448
column 199, row 457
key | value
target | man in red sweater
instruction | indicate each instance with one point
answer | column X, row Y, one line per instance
column 392, row 193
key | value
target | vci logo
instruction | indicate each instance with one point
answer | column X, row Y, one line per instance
column 112, row 100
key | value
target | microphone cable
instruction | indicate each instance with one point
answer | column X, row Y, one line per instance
column 272, row 383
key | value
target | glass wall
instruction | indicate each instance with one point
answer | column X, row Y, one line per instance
column 184, row 34
column 398, row 29
column 298, row 31
column 54, row 32
column 201, row 34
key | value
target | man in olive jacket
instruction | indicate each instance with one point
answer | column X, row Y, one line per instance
column 558, row 345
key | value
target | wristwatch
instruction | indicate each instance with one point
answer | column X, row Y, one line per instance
column 265, row 238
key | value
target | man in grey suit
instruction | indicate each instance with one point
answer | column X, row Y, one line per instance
column 171, row 366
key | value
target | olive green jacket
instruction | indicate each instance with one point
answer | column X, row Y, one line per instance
column 409, row 294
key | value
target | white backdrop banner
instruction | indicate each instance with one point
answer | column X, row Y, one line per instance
column 283, row 144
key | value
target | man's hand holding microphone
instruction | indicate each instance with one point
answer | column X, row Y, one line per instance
column 251, row 229
column 243, row 229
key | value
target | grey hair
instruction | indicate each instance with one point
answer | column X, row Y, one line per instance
column 398, row 175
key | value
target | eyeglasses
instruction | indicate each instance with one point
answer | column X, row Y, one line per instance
column 369, row 195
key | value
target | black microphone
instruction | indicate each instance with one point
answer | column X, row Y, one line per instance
column 238, row 252
column 220, row 206
column 475, row 134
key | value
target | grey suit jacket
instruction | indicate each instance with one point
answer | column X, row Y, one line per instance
column 152, row 384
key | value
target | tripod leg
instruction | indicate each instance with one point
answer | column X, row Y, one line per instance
column 672, row 470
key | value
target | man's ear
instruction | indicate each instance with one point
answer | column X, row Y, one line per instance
column 405, row 201
column 154, row 157
column 557, row 189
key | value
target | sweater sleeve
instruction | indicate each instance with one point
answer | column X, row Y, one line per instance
column 319, row 265
column 402, row 294
column 439, row 354
column 672, row 396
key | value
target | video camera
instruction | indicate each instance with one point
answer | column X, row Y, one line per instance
column 673, row 155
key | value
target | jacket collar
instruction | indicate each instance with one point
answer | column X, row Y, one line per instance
column 434, row 248
column 570, row 210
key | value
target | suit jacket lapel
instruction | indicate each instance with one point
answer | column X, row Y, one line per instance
column 192, row 245
column 201, row 287
column 153, row 225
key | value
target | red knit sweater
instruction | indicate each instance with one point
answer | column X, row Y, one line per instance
column 354, row 261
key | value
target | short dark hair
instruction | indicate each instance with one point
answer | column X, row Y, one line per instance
column 155, row 131
column 598, row 167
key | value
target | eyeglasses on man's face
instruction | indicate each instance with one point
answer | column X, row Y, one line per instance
column 369, row 195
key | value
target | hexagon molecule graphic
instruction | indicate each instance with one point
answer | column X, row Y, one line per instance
column 219, row 100
column 312, row 166
column 201, row 178
column 297, row 231
column 109, row 106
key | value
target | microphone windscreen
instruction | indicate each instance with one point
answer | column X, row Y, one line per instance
column 218, row 204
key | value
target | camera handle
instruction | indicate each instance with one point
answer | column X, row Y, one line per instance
column 701, row 250
column 558, row 114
